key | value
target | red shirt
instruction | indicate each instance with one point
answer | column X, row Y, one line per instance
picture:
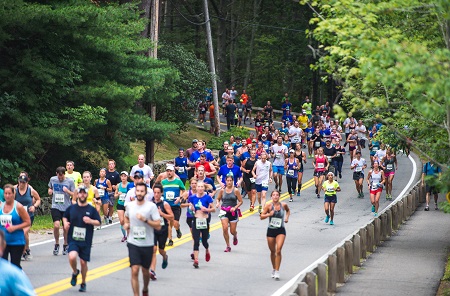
column 206, row 165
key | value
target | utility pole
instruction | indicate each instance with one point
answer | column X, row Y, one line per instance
column 153, row 52
column 212, row 67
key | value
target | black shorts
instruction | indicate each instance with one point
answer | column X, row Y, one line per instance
column 189, row 221
column 431, row 189
column 120, row 207
column 83, row 250
column 248, row 185
column 274, row 232
column 358, row 175
column 161, row 238
column 140, row 255
column 331, row 198
column 176, row 213
column 57, row 215
column 32, row 220
column 319, row 174
column 230, row 217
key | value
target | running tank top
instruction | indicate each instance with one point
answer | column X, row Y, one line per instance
column 277, row 220
column 375, row 180
column 122, row 194
column 291, row 172
column 91, row 195
column 249, row 164
column 300, row 160
column 26, row 199
column 229, row 199
column 15, row 238
column 101, row 191
column 320, row 163
column 163, row 221
column 389, row 164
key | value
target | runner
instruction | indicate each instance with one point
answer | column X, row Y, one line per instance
column 296, row 134
column 166, row 214
column 330, row 152
column 278, row 214
column 262, row 173
column 248, row 110
column 301, row 156
column 339, row 159
column 228, row 168
column 279, row 152
column 113, row 176
column 188, row 154
column 141, row 218
column 389, row 166
column 93, row 199
column 316, row 140
column 374, row 146
column 71, row 174
column 361, row 131
column 131, row 189
column 173, row 189
column 309, row 131
column 307, row 107
column 380, row 154
column 104, row 188
column 13, row 220
column 375, row 181
column 30, row 199
column 330, row 187
column 201, row 204
column 258, row 124
column 249, row 182
column 239, row 112
column 430, row 173
column 61, row 190
column 145, row 169
column 292, row 165
column 268, row 109
column 120, row 194
column 181, row 166
column 320, row 164
column 79, row 221
column 352, row 141
column 229, row 199
column 358, row 165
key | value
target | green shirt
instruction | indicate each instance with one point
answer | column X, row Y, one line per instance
column 172, row 190
column 330, row 188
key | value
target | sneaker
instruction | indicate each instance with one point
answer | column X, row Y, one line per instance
column 373, row 209
column 110, row 220
column 291, row 199
column 24, row 257
column 317, row 190
column 252, row 208
column 327, row 219
column 152, row 275
column 195, row 263
column 170, row 243
column 82, row 287
column 318, row 195
column 144, row 293
column 276, row 275
column 227, row 250
column 73, row 281
column 65, row 249
column 124, row 239
column 331, row 222
column 56, row 250
column 207, row 256
column 298, row 193
column 29, row 256
column 427, row 208
column 273, row 273
column 179, row 234
column 192, row 256
column 436, row 207
column 165, row 262
column 235, row 240
column 340, row 176
column 375, row 214
column 362, row 194
column 260, row 209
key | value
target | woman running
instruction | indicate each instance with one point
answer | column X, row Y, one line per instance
column 278, row 214
column 374, row 146
column 380, row 154
column 229, row 210
column 358, row 165
column 301, row 156
column 184, row 203
column 320, row 164
column 352, row 141
column 104, row 187
column 339, row 159
column 291, row 166
column 330, row 187
column 389, row 166
column 375, row 181
column 309, row 131
column 201, row 204
column 120, row 194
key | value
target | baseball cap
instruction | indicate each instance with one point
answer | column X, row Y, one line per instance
column 170, row 167
column 82, row 188
column 358, row 152
column 263, row 136
column 328, row 140
column 124, row 173
column 194, row 141
column 23, row 178
column 139, row 174
column 254, row 141
column 291, row 151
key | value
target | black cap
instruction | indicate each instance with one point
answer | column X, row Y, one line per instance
column 82, row 188
column 23, row 178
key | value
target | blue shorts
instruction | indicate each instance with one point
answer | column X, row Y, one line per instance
column 331, row 198
column 278, row 169
column 83, row 250
column 260, row 188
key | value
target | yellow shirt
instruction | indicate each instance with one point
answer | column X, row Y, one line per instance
column 76, row 177
column 91, row 195
column 303, row 120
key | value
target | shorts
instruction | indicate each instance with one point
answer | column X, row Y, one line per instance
column 161, row 238
column 330, row 198
column 376, row 191
column 84, row 251
column 176, row 213
column 274, row 232
column 248, row 185
column 105, row 199
column 431, row 189
column 189, row 221
column 358, row 175
column 140, row 255
column 278, row 169
column 212, row 121
column 120, row 207
column 57, row 215
column 319, row 174
column 387, row 174
column 351, row 148
column 230, row 217
column 260, row 188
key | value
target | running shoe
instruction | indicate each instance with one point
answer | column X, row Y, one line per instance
column 276, row 275
column 82, row 287
column 375, row 214
column 340, row 176
column 65, row 249
column 331, row 222
column 436, row 207
column 179, row 234
column 373, row 209
column 273, row 273
column 235, row 240
column 152, row 275
column 195, row 263
column 144, row 293
column 291, row 199
column 56, row 250
column 227, row 250
column 24, row 257
column 207, row 256
column 192, row 256
column 327, row 219
column 73, row 281
column 298, row 193
column 170, row 243
column 362, row 194
column 317, row 190
column 252, row 208
column 427, row 208
column 318, row 195
column 29, row 256
column 110, row 220
column 260, row 209
column 165, row 262
column 124, row 239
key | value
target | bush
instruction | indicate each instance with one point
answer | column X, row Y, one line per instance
column 217, row 142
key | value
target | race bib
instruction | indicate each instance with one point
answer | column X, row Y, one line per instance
column 181, row 170
column 389, row 167
column 201, row 223
column 139, row 232
column 5, row 219
column 330, row 189
column 275, row 222
column 375, row 186
column 79, row 233
column 222, row 213
column 296, row 139
column 290, row 172
column 266, row 147
column 252, row 180
column 329, row 158
column 240, row 110
column 101, row 192
column 170, row 195
column 317, row 144
column 122, row 197
column 358, row 169
column 265, row 184
column 59, row 197
column 320, row 165
column 375, row 148
column 278, row 155
column 309, row 135
column 161, row 221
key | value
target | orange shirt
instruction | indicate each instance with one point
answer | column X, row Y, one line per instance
column 244, row 98
column 211, row 111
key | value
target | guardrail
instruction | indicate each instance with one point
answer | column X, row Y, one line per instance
column 340, row 262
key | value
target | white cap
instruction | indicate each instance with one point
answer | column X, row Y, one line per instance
column 124, row 173
column 291, row 151
column 170, row 167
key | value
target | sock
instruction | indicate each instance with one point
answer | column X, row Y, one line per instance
column 123, row 231
column 299, row 187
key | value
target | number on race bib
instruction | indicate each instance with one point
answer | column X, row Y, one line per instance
column 358, row 169
column 122, row 197
column 329, row 158
column 181, row 170
column 161, row 221
column 139, row 232
column 265, row 184
column 275, row 222
column 5, row 219
column 290, row 172
column 201, row 223
column 170, row 195
column 59, row 197
column 79, row 233
column 266, row 147
column 375, row 148
column 389, row 167
column 296, row 139
column 320, row 165
column 317, row 144
column 101, row 192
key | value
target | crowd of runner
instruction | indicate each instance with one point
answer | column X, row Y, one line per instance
column 149, row 207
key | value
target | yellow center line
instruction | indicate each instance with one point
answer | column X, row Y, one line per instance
column 115, row 266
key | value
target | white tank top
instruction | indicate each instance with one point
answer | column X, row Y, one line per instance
column 376, row 179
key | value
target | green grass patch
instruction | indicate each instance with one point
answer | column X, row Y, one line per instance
column 42, row 222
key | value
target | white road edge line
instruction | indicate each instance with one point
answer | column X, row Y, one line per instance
column 292, row 281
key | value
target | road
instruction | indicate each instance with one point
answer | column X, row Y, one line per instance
column 244, row 271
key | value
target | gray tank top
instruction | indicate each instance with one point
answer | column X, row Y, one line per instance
column 277, row 220
column 229, row 199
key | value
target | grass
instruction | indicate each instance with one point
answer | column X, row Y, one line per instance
column 42, row 222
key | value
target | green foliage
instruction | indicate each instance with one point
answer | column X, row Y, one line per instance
column 217, row 142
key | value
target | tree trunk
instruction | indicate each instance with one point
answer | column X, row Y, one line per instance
column 256, row 5
column 222, row 43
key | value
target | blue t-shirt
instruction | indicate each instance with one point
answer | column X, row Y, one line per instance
column 234, row 170
column 236, row 146
column 244, row 156
column 309, row 132
column 431, row 170
column 14, row 280
column 287, row 118
column 236, row 160
column 200, row 201
column 2, row 197
column 181, row 162
column 75, row 214
column 195, row 156
column 286, row 107
column 283, row 131
column 267, row 145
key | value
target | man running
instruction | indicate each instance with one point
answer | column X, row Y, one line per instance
column 358, row 165
column 430, row 173
column 262, row 173
column 279, row 152
column 71, row 174
column 114, row 178
column 79, row 221
column 146, row 170
column 227, row 169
